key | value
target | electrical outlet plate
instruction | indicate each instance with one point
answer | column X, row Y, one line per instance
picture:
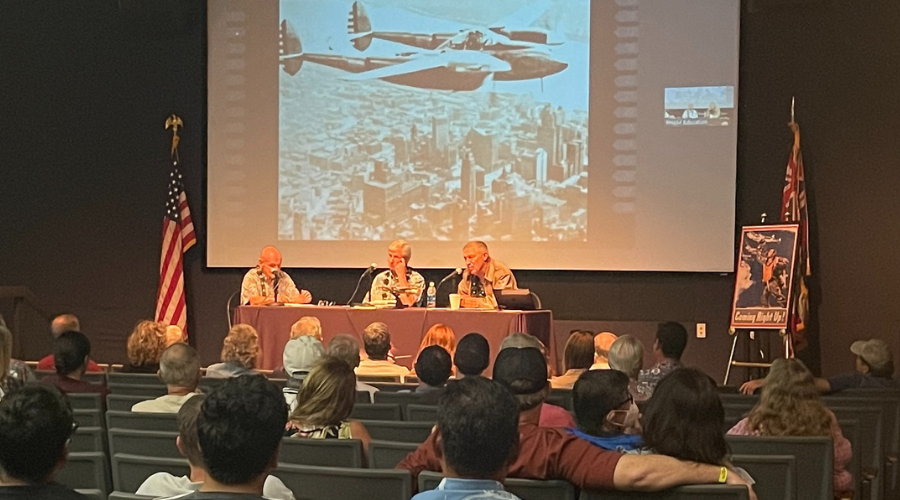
column 701, row 330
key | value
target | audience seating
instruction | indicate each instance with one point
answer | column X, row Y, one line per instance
column 96, row 378
column 869, row 449
column 696, row 492
column 421, row 413
column 774, row 475
column 208, row 383
column 404, row 432
column 281, row 383
column 134, row 379
column 814, row 479
column 144, row 443
column 400, row 398
column 141, row 421
column 369, row 379
column 118, row 495
column 851, row 431
column 391, row 386
column 560, row 397
column 88, row 439
column 123, row 402
column 85, row 401
column 387, row 454
column 329, row 483
column 92, row 494
column 89, row 418
column 363, row 397
column 86, row 471
column 523, row 488
column 130, row 471
column 149, row 391
column 322, row 452
column 377, row 411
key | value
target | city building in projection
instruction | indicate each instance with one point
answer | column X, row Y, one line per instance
column 379, row 158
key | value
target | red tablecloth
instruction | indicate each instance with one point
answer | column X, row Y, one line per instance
column 407, row 326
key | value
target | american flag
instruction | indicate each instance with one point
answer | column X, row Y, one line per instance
column 793, row 209
column 177, row 237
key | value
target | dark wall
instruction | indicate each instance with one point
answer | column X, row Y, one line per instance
column 85, row 89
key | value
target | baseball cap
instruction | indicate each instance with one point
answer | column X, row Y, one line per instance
column 874, row 352
column 300, row 354
column 522, row 370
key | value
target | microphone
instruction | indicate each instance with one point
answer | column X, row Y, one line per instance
column 365, row 273
column 455, row 272
column 276, row 276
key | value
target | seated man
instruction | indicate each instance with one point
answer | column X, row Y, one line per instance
column 60, row 324
column 472, row 356
column 482, row 276
column 35, row 426
column 267, row 283
column 550, row 415
column 671, row 339
column 377, row 343
column 606, row 414
column 299, row 357
column 71, row 353
column 346, row 348
column 602, row 343
column 552, row 453
column 399, row 275
column 164, row 484
column 478, row 433
column 179, row 369
column 433, row 367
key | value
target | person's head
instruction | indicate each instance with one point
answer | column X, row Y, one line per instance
column 603, row 406
column 579, row 351
column 187, row 442
column 327, row 394
column 346, row 348
column 671, row 338
column 602, row 343
column 377, row 341
column 239, row 429
column 476, row 255
column 300, row 355
column 241, row 346
column 478, row 429
column 789, row 404
column 64, row 323
column 626, row 354
column 434, row 366
column 684, row 418
column 146, row 343
column 179, row 366
column 399, row 251
column 269, row 261
column 35, row 426
column 439, row 334
column 309, row 326
column 71, row 352
column 519, row 340
column 174, row 334
column 873, row 357
column 473, row 355
column 523, row 371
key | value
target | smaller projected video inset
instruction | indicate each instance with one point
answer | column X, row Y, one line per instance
column 699, row 106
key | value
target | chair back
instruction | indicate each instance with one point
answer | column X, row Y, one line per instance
column 120, row 378
column 328, row 483
column 118, row 495
column 369, row 379
column 694, row 492
column 870, row 447
column 86, row 471
column 141, row 421
column 363, row 397
column 376, row 411
column 88, row 439
column 144, row 443
column 123, row 402
column 321, row 452
column 561, row 398
column 387, row 454
column 392, row 386
column 404, row 432
column 421, row 413
column 148, row 391
column 850, row 428
column 130, row 471
column 85, row 400
column 400, row 398
column 96, row 378
column 814, row 479
column 774, row 474
column 89, row 418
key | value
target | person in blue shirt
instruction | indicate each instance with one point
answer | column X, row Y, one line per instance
column 478, row 437
column 605, row 411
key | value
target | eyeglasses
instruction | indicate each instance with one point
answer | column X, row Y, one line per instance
column 630, row 400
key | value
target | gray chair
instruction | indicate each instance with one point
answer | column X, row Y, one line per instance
column 363, row 397
column 209, row 383
column 149, row 391
column 119, row 495
column 376, row 411
column 399, row 398
column 774, row 475
column 96, row 378
column 145, row 443
column 561, row 398
column 870, row 448
column 387, row 454
column 531, row 489
column 421, row 413
column 88, row 439
column 696, row 492
column 92, row 494
column 404, row 432
column 119, row 378
column 130, row 471
column 328, row 483
column 850, row 428
column 369, row 379
column 86, row 401
column 88, row 418
column 392, row 386
column 814, row 479
column 321, row 452
column 86, row 471
column 141, row 421
column 123, row 402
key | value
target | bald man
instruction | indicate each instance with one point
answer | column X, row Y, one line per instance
column 267, row 283
column 602, row 342
column 482, row 276
column 398, row 276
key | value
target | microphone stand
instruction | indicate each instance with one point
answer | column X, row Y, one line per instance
column 359, row 282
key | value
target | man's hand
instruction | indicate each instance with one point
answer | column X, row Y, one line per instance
column 259, row 300
column 751, row 386
column 305, row 297
column 467, row 302
column 399, row 268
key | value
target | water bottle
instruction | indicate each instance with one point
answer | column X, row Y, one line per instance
column 431, row 295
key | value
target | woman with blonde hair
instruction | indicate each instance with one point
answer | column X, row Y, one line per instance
column 239, row 352
column 145, row 346
column 790, row 406
column 325, row 402
column 439, row 334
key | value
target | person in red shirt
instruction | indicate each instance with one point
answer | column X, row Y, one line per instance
column 72, row 351
column 60, row 324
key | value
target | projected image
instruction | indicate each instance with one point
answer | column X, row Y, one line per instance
column 440, row 120
column 711, row 106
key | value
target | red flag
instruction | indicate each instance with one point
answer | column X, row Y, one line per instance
column 793, row 209
column 177, row 237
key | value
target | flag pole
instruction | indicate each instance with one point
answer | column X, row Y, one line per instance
column 175, row 122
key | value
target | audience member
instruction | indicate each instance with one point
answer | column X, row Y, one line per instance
column 325, row 402
column 438, row 334
column 60, row 324
column 602, row 342
column 346, row 348
column 546, row 453
column 433, row 367
column 35, row 426
column 174, row 334
column 239, row 352
column 874, row 370
column 13, row 373
column 163, row 484
column 472, row 356
column 605, row 410
column 790, row 406
column 300, row 355
column 671, row 339
column 377, row 343
column 478, row 432
column 626, row 354
column 179, row 369
column 578, row 356
column 519, row 339
column 550, row 415
column 71, row 353
column 145, row 345
column 307, row 326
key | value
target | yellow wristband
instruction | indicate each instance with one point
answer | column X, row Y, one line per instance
column 723, row 474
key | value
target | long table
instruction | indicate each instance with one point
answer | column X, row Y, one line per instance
column 407, row 326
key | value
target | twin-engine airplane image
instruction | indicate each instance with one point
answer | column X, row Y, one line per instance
column 460, row 61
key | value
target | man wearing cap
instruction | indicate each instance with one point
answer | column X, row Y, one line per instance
column 874, row 370
column 602, row 342
column 554, row 453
